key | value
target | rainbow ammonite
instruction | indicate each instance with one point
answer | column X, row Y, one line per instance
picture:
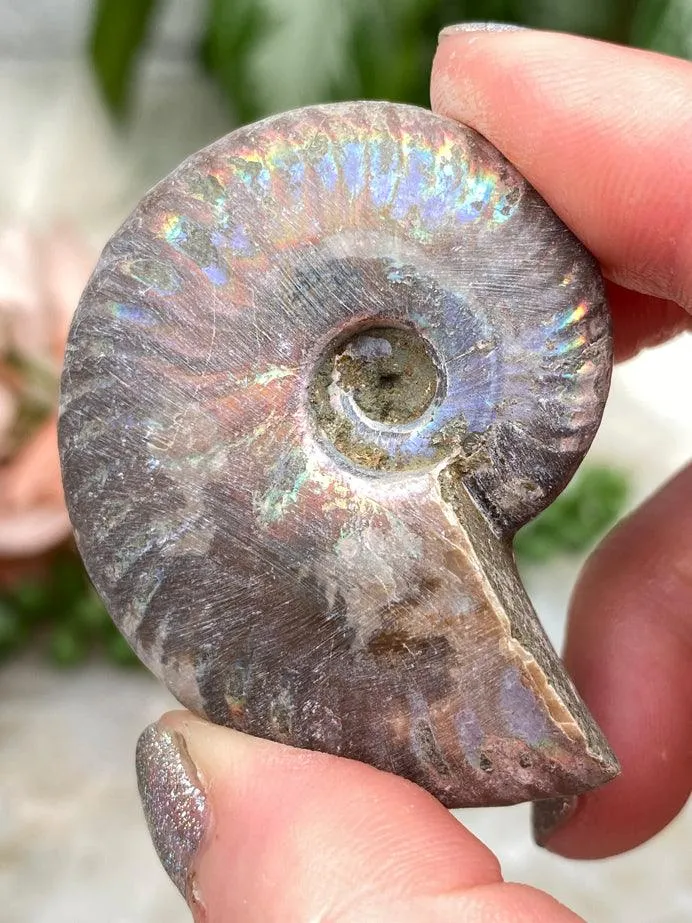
column 317, row 381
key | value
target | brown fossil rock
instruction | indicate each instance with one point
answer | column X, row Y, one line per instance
column 316, row 383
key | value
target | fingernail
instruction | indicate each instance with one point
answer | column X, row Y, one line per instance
column 480, row 27
column 175, row 805
column 551, row 815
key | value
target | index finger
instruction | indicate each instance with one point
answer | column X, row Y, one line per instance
column 604, row 133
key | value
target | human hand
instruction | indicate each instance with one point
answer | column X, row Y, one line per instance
column 252, row 830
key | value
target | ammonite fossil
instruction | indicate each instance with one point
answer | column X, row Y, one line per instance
column 317, row 381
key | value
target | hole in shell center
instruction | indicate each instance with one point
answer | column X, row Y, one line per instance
column 388, row 371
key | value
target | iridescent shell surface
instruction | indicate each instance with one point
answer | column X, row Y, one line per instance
column 317, row 381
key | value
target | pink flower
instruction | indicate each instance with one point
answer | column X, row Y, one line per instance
column 41, row 279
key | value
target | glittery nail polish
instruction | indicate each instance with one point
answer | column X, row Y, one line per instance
column 550, row 815
column 175, row 805
column 480, row 27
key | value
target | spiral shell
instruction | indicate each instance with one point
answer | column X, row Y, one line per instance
column 316, row 382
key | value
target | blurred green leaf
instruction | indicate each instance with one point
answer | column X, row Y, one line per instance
column 647, row 20
column 233, row 29
column 13, row 633
column 119, row 30
column 66, row 647
column 385, row 51
column 68, row 581
column 89, row 615
column 391, row 44
column 120, row 652
column 577, row 519
column 28, row 599
column 62, row 615
column 662, row 25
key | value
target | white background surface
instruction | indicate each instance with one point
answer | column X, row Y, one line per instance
column 73, row 846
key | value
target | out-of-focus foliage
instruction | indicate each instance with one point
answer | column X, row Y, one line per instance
column 60, row 614
column 232, row 32
column 267, row 55
column 662, row 25
column 592, row 503
column 118, row 34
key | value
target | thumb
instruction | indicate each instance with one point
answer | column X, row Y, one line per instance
column 255, row 831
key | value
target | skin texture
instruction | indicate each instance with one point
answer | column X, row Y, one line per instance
column 304, row 836
column 590, row 151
